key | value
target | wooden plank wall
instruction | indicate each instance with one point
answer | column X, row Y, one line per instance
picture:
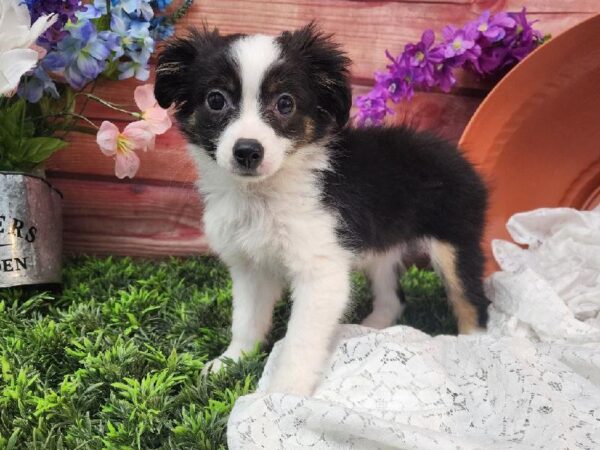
column 159, row 213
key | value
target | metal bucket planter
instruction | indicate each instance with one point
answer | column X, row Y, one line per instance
column 30, row 231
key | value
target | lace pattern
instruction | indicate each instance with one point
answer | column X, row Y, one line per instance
column 532, row 381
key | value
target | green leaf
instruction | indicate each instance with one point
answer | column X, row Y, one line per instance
column 39, row 149
column 12, row 441
column 11, row 119
column 112, row 70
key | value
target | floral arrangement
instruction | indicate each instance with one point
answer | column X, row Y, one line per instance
column 52, row 52
column 488, row 46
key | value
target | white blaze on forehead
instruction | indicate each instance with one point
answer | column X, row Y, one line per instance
column 254, row 55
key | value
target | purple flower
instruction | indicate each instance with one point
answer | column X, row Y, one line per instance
column 444, row 76
column 423, row 59
column 486, row 46
column 460, row 46
column 418, row 54
column 523, row 28
column 523, row 39
column 458, row 41
column 137, row 43
column 372, row 107
column 494, row 28
column 65, row 9
column 398, row 81
column 493, row 59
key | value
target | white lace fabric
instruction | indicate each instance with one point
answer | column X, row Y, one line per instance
column 532, row 381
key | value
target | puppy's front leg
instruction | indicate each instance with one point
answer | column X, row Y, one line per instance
column 254, row 296
column 320, row 292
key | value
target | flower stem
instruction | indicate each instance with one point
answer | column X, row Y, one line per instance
column 84, row 130
column 78, row 116
column 109, row 104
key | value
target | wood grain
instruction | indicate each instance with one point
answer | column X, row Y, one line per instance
column 108, row 217
column 168, row 162
column 364, row 28
column 159, row 213
column 445, row 114
column 367, row 29
column 566, row 6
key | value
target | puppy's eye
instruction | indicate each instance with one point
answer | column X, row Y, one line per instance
column 285, row 104
column 216, row 101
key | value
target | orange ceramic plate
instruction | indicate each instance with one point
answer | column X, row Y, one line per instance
column 536, row 137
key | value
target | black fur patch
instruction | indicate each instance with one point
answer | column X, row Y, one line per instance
column 394, row 185
column 312, row 70
column 387, row 185
column 188, row 69
column 315, row 72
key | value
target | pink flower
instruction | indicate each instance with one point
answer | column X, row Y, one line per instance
column 157, row 118
column 122, row 146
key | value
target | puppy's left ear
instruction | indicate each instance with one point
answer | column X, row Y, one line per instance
column 327, row 65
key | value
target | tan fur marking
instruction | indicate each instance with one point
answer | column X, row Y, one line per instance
column 309, row 129
column 191, row 121
column 443, row 257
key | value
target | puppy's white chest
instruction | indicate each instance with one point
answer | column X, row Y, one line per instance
column 274, row 230
column 242, row 227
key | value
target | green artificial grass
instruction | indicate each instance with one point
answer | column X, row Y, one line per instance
column 114, row 360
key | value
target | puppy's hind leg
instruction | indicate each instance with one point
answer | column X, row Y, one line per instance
column 461, row 269
column 388, row 299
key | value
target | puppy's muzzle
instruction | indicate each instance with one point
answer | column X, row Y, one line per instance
column 248, row 153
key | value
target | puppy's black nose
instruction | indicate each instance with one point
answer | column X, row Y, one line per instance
column 248, row 153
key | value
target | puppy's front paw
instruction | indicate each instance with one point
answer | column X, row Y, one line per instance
column 213, row 366
column 217, row 364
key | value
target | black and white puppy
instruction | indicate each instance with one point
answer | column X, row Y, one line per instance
column 294, row 196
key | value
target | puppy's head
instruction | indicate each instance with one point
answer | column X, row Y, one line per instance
column 252, row 101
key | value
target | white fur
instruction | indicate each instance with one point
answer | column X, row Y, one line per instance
column 277, row 232
column 383, row 269
column 254, row 56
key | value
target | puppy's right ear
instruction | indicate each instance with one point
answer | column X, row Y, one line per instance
column 177, row 63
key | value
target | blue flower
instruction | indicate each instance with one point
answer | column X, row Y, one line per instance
column 140, row 8
column 34, row 87
column 83, row 55
column 137, row 66
column 136, row 41
column 162, row 4
column 90, row 12
column 161, row 28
